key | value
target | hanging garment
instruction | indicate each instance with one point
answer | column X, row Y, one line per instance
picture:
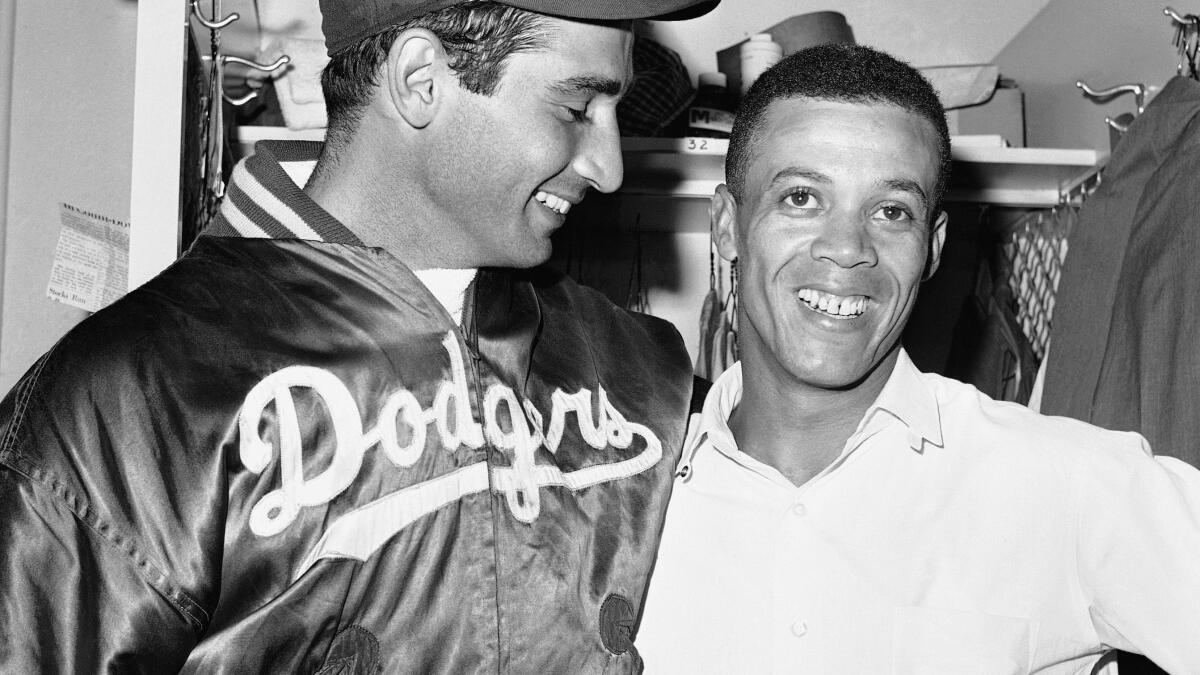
column 990, row 350
column 1093, row 270
column 710, row 323
column 1149, row 379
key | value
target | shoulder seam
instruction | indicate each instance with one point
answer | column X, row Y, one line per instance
column 20, row 404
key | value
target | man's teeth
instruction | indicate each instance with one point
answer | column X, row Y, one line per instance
column 553, row 202
column 843, row 307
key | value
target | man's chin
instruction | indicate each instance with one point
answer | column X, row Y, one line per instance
column 536, row 253
column 853, row 374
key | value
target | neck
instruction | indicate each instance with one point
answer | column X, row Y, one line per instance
column 366, row 186
column 795, row 427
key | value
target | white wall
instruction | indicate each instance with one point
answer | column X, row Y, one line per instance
column 8, row 18
column 1102, row 42
column 922, row 32
column 71, row 124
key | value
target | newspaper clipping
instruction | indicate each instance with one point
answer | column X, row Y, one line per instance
column 91, row 260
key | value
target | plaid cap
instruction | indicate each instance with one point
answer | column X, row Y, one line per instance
column 346, row 22
column 662, row 90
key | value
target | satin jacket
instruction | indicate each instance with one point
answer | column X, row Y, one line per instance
column 284, row 456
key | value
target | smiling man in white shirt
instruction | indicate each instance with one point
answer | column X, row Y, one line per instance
column 838, row 511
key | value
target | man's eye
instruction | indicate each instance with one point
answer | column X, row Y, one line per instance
column 896, row 213
column 577, row 114
column 799, row 198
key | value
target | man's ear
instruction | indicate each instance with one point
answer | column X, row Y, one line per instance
column 722, row 218
column 415, row 66
column 937, row 237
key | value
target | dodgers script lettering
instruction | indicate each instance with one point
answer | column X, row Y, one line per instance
column 510, row 424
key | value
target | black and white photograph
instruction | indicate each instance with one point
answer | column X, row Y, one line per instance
column 679, row 337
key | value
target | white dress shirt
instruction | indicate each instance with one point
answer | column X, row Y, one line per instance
column 954, row 534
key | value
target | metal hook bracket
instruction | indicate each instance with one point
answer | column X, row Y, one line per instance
column 266, row 68
column 1104, row 95
column 1116, row 125
column 210, row 24
column 1187, row 41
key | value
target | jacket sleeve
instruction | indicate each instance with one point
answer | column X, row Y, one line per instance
column 75, row 593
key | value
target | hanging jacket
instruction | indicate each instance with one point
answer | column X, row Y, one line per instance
column 1123, row 352
column 1150, row 374
column 283, row 455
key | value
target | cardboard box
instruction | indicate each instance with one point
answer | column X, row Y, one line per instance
column 1003, row 114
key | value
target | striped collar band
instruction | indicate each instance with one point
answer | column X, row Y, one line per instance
column 263, row 199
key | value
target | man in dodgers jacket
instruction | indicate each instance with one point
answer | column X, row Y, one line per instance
column 355, row 429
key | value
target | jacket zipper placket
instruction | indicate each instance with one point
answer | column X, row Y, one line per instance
column 470, row 343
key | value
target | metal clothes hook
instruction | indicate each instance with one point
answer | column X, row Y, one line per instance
column 241, row 100
column 1187, row 40
column 1103, row 95
column 1116, row 125
column 266, row 68
column 279, row 62
column 1176, row 16
column 209, row 24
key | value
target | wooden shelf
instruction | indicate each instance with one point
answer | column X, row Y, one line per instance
column 1028, row 177
column 984, row 171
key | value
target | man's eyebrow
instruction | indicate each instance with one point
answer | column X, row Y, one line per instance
column 791, row 172
column 588, row 84
column 909, row 186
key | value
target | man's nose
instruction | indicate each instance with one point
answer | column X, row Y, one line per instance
column 845, row 242
column 598, row 159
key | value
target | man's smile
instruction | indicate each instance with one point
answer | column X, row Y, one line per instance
column 836, row 306
column 555, row 203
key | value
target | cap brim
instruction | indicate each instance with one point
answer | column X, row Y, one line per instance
column 613, row 10
column 349, row 25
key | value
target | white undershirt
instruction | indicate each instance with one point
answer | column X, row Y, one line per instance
column 449, row 287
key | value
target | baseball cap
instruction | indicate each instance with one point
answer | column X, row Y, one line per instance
column 346, row 22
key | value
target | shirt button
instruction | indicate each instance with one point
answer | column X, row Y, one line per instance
column 799, row 510
column 799, row 628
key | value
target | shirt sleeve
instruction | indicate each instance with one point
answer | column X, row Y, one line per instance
column 1139, row 551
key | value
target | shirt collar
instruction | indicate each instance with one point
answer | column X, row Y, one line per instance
column 908, row 398
column 711, row 424
column 905, row 397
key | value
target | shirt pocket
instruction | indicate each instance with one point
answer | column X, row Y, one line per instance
column 933, row 641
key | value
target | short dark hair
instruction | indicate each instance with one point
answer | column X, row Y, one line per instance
column 478, row 35
column 836, row 72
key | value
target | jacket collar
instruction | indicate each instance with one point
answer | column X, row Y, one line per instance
column 264, row 200
column 501, row 316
